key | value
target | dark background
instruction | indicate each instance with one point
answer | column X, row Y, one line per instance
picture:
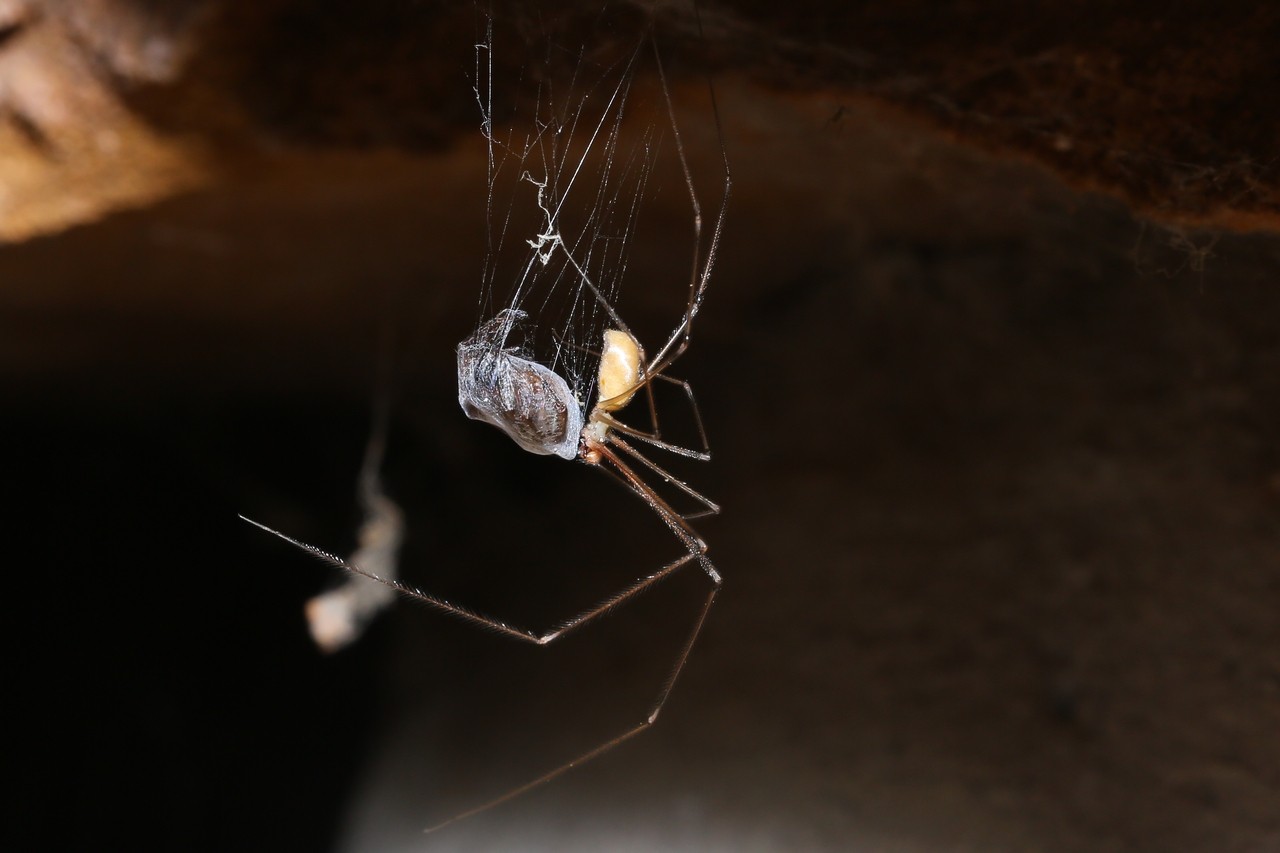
column 989, row 365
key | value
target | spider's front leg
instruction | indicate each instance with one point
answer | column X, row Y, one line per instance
column 596, row 453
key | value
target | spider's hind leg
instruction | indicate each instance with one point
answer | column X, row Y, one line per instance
column 654, row 437
column 710, row 506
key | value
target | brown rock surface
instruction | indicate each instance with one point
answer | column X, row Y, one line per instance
column 989, row 364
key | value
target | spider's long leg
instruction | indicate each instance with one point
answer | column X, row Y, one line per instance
column 597, row 751
column 681, row 528
column 411, row 592
column 655, row 438
column 693, row 405
column 445, row 606
column 701, row 273
column 650, row 439
column 690, row 539
column 712, row 508
column 697, row 549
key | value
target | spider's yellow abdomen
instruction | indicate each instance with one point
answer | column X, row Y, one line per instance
column 620, row 366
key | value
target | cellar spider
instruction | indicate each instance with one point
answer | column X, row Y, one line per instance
column 536, row 408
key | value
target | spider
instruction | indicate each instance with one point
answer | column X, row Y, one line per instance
column 536, row 408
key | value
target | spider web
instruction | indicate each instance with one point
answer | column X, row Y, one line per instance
column 571, row 143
